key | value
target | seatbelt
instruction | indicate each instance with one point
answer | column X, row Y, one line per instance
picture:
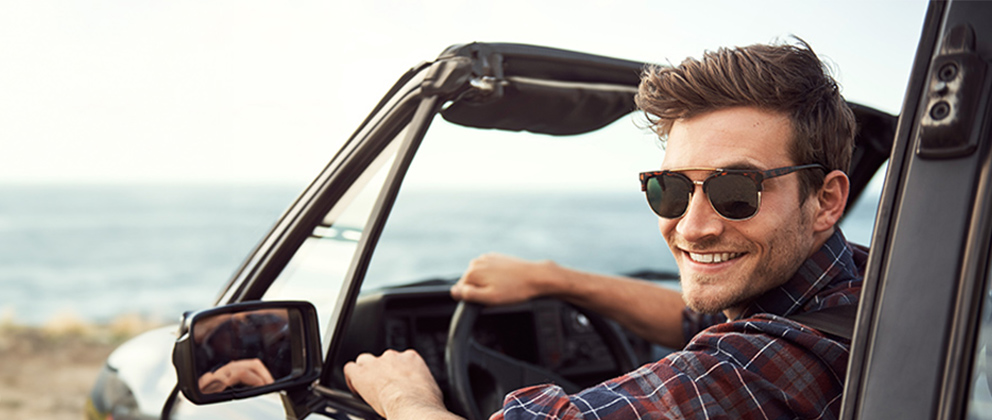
column 836, row 320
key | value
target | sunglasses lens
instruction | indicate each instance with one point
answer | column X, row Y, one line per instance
column 668, row 195
column 734, row 196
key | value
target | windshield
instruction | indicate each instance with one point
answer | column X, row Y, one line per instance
column 572, row 199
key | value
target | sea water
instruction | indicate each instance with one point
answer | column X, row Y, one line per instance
column 97, row 252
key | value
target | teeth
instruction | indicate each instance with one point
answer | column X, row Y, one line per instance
column 714, row 258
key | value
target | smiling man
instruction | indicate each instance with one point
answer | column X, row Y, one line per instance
column 749, row 192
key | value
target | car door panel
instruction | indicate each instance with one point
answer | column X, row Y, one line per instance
column 913, row 339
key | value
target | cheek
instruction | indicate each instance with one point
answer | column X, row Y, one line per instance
column 773, row 216
column 666, row 226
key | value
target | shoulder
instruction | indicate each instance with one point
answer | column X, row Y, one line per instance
column 761, row 329
column 763, row 361
column 753, row 342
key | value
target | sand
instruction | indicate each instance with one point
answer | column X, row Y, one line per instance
column 46, row 372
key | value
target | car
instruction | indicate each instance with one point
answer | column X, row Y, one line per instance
column 363, row 259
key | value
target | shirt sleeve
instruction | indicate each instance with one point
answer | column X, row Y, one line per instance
column 754, row 368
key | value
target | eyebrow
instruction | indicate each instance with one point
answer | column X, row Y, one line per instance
column 743, row 165
column 733, row 166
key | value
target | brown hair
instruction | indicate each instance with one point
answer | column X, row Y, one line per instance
column 789, row 79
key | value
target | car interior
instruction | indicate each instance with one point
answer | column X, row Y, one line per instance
column 547, row 161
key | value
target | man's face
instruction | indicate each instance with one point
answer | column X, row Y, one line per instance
column 724, row 264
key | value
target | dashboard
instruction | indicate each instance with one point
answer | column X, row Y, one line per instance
column 545, row 332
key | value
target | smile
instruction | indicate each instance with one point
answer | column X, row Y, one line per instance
column 714, row 258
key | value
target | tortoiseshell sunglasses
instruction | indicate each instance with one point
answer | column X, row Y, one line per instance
column 734, row 194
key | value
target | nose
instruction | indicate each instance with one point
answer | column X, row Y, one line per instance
column 700, row 220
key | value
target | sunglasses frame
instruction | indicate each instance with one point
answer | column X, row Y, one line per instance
column 758, row 176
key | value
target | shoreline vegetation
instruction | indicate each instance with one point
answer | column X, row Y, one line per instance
column 47, row 371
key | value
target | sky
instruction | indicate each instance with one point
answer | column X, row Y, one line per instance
column 254, row 92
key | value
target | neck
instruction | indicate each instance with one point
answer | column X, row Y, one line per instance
column 733, row 313
column 819, row 239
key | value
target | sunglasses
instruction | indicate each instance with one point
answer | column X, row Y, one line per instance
column 735, row 194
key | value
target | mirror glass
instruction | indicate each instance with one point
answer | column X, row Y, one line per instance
column 237, row 350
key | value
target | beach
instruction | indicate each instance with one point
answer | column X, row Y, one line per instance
column 46, row 372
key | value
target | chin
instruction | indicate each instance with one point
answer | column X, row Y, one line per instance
column 709, row 297
column 704, row 304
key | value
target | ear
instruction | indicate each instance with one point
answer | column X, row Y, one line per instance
column 831, row 199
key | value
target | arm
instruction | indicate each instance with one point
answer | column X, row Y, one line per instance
column 398, row 385
column 650, row 311
column 247, row 372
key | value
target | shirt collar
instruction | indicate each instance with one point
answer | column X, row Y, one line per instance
column 829, row 266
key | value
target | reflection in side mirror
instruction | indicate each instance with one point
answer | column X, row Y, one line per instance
column 247, row 349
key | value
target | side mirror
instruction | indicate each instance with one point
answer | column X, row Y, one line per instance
column 247, row 349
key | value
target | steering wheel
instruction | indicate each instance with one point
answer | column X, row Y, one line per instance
column 463, row 351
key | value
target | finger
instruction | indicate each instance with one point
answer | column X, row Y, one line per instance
column 263, row 372
column 470, row 293
column 243, row 367
column 349, row 368
column 410, row 353
column 213, row 387
column 460, row 291
column 364, row 359
column 209, row 383
column 246, row 378
column 256, row 378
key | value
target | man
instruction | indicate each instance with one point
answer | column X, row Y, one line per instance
column 757, row 141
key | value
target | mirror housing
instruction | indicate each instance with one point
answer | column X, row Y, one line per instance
column 247, row 349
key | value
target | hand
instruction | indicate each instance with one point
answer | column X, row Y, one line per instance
column 395, row 384
column 496, row 279
column 248, row 372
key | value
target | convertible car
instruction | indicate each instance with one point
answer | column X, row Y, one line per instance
column 534, row 151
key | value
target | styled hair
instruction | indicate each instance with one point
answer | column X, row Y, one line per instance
column 787, row 79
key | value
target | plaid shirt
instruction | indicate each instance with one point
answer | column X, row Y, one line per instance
column 761, row 366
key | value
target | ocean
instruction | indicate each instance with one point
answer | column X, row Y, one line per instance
column 93, row 253
column 96, row 252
